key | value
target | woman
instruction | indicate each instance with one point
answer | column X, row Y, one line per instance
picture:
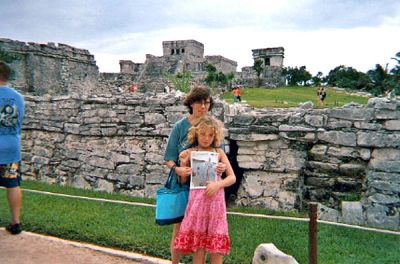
column 199, row 102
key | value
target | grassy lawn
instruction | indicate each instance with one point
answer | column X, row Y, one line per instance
column 292, row 96
column 132, row 228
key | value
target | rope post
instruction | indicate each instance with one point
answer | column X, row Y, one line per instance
column 312, row 232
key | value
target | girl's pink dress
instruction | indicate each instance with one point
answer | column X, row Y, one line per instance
column 205, row 224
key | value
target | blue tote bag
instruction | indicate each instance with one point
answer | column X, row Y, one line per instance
column 171, row 201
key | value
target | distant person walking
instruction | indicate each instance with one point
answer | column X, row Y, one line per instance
column 237, row 94
column 321, row 93
column 11, row 116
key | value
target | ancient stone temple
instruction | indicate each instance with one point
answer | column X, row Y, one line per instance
column 271, row 76
column 269, row 56
column 179, row 56
column 189, row 48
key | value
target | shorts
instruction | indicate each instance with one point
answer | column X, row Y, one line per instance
column 10, row 175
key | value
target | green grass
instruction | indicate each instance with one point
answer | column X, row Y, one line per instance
column 292, row 96
column 132, row 228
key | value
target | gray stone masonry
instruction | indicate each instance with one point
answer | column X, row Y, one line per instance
column 50, row 69
column 289, row 157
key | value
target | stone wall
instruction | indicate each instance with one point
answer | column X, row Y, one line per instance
column 222, row 64
column 347, row 159
column 128, row 66
column 51, row 69
column 110, row 143
column 271, row 77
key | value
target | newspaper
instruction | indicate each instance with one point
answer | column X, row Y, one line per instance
column 204, row 168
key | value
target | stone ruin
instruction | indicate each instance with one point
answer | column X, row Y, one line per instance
column 51, row 69
column 94, row 136
column 178, row 57
column 272, row 61
column 62, row 69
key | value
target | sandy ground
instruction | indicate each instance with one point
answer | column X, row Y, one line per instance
column 30, row 248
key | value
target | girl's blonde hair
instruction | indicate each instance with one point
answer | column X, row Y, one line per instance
column 204, row 123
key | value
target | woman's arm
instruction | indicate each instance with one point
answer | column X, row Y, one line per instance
column 171, row 156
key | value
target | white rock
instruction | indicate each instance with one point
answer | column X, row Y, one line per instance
column 269, row 254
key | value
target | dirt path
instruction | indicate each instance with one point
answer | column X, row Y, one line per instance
column 30, row 248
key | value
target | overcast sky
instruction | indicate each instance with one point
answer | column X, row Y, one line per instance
column 320, row 34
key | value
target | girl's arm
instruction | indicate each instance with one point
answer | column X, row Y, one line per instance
column 213, row 187
column 184, row 159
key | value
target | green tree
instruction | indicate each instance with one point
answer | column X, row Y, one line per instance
column 230, row 77
column 378, row 76
column 296, row 76
column 221, row 78
column 259, row 68
column 211, row 77
column 348, row 77
column 317, row 79
column 392, row 82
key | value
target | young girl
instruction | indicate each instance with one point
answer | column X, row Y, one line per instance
column 205, row 226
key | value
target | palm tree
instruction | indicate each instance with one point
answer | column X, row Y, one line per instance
column 259, row 68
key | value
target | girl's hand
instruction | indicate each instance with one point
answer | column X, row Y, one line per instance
column 212, row 188
column 183, row 172
column 221, row 167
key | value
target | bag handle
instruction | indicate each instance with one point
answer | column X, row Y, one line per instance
column 168, row 184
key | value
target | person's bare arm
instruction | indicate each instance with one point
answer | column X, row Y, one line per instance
column 213, row 187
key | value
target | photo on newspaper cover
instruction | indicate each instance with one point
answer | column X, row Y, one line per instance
column 204, row 168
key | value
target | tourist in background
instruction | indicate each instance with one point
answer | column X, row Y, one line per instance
column 199, row 102
column 321, row 94
column 237, row 94
column 11, row 117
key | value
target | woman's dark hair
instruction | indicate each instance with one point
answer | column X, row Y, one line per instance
column 198, row 93
column 5, row 71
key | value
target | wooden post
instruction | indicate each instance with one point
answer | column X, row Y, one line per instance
column 313, row 232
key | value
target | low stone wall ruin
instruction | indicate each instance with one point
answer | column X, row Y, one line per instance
column 347, row 159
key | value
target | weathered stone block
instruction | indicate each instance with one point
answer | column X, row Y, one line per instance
column 387, row 114
column 367, row 126
column 318, row 151
column 376, row 139
column 378, row 216
column 328, row 214
column 386, row 154
column 254, row 137
column 384, row 176
column 338, row 138
column 392, row 125
column 105, row 186
column 154, row 118
column 352, row 169
column 384, row 199
column 316, row 120
column 387, row 166
column 287, row 128
column 335, row 123
column 352, row 213
column 352, row 113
